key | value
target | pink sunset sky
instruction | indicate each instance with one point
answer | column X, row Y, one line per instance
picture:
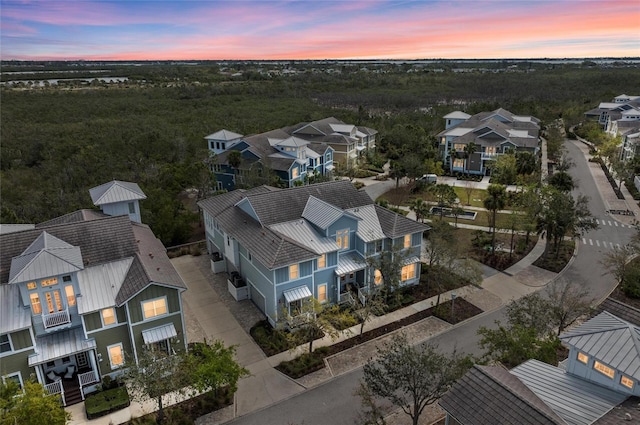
column 317, row 29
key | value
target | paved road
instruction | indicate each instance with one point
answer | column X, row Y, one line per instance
column 334, row 401
column 587, row 267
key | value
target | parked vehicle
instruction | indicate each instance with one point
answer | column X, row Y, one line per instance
column 429, row 179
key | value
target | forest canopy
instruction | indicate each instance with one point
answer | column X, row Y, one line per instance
column 60, row 140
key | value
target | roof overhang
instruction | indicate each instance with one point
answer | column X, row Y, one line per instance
column 60, row 344
column 297, row 293
column 159, row 333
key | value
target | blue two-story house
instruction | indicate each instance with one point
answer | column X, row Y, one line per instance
column 275, row 158
column 311, row 241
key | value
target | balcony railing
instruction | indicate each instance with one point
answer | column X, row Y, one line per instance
column 56, row 319
column 87, row 378
column 56, row 388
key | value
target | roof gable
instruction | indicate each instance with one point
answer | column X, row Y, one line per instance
column 46, row 256
column 320, row 213
column 225, row 135
column 116, row 191
column 609, row 339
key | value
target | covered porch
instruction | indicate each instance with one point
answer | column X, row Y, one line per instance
column 65, row 363
column 295, row 300
column 351, row 275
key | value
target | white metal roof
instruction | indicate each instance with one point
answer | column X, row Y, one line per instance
column 297, row 293
column 159, row 333
column 577, row 401
column 458, row 131
column 13, row 315
column 457, row 115
column 320, row 213
column 46, row 256
column 301, row 232
column 369, row 228
column 60, row 344
column 225, row 135
column 342, row 128
column 349, row 263
column 292, row 142
column 609, row 339
column 116, row 191
column 99, row 285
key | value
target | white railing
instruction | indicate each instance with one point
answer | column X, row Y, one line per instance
column 346, row 297
column 56, row 319
column 489, row 155
column 363, row 293
column 85, row 379
column 56, row 388
column 299, row 320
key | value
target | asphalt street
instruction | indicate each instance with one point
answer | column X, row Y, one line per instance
column 334, row 402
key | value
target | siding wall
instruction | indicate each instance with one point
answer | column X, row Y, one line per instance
column 152, row 292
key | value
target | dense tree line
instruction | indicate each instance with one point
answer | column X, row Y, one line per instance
column 57, row 142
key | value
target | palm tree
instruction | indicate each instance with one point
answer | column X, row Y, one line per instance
column 469, row 150
column 420, row 207
column 496, row 200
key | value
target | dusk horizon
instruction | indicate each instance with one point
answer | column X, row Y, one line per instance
column 327, row 30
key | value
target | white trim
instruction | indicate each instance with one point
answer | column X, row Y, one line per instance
column 109, row 347
column 18, row 374
column 131, row 338
column 115, row 317
column 10, row 344
column 166, row 305
column 326, row 293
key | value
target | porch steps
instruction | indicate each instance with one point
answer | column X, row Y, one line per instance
column 72, row 393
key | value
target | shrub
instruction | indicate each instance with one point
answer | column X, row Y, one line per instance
column 105, row 402
column 631, row 282
column 304, row 364
column 272, row 341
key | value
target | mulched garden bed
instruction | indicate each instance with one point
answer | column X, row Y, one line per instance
column 311, row 362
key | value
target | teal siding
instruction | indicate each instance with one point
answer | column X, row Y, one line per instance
column 327, row 276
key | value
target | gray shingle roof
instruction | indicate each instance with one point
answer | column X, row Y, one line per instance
column 609, row 339
column 99, row 240
column 619, row 309
column 491, row 395
column 396, row 225
column 272, row 207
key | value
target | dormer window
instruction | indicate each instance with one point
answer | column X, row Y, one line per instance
column 583, row 358
column 605, row 370
column 627, row 382
column 49, row 282
column 31, row 285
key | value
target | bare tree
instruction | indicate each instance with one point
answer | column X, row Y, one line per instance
column 410, row 378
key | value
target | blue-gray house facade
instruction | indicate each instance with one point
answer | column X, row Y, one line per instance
column 294, row 155
column 492, row 133
column 310, row 241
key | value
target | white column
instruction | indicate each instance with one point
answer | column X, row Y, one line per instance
column 94, row 365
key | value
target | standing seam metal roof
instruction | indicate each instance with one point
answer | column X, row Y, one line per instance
column 116, row 191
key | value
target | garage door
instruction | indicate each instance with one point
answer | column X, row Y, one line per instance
column 257, row 298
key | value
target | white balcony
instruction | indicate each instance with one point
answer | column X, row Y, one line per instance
column 56, row 319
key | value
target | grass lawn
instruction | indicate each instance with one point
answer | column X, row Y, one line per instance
column 483, row 217
column 475, row 200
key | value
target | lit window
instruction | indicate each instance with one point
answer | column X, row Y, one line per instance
column 583, row 358
column 49, row 282
column 31, row 285
column 294, row 173
column 458, row 163
column 377, row 277
column 459, row 147
column 342, row 238
column 35, row 303
column 627, row 382
column 108, row 316
column 71, row 297
column 322, row 261
column 607, row 371
column 293, row 272
column 322, row 293
column 5, row 343
column 490, row 150
column 54, row 302
column 116, row 355
column 408, row 272
column 407, row 241
column 154, row 308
